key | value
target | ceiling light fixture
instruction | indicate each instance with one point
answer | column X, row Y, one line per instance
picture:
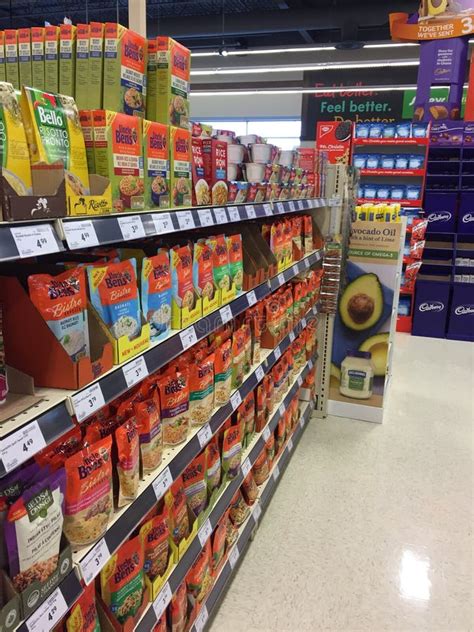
column 325, row 66
column 207, row 93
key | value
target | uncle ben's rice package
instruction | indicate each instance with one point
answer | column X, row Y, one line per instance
column 15, row 157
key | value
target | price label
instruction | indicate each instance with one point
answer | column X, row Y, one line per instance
column 162, row 483
column 220, row 215
column 277, row 353
column 300, row 205
column 186, row 220
column 281, row 279
column 245, row 467
column 205, row 217
column 303, row 323
column 300, row 380
column 34, row 240
column 290, row 444
column 310, row 364
column 204, row 435
column 302, row 420
column 188, row 337
column 163, row 223
column 235, row 400
column 204, row 532
column 49, row 613
column 307, row 263
column 135, row 371
column 21, row 445
column 88, row 401
column 259, row 373
column 234, row 556
column 295, row 269
column 251, row 298
column 161, row 602
column 80, row 234
column 281, row 410
column 291, row 204
column 292, row 336
column 234, row 214
column 201, row 620
column 266, row 433
column 226, row 314
column 276, row 472
column 257, row 512
column 131, row 227
column 250, row 210
column 268, row 209
column 280, row 207
column 94, row 561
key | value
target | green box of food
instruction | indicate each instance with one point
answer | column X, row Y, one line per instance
column 67, row 59
column 2, row 56
column 51, row 59
column 96, row 64
column 151, row 81
column 180, row 167
column 11, row 58
column 156, row 164
column 24, row 57
column 83, row 87
column 37, row 56
column 173, row 66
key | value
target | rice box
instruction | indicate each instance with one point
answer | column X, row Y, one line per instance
column 151, row 84
column 11, row 58
column 51, row 58
column 118, row 156
column 156, row 164
column 201, row 192
column 124, row 70
column 54, row 134
column 83, row 88
column 180, row 166
column 96, row 64
column 67, row 59
column 2, row 56
column 87, row 124
column 37, row 56
column 13, row 145
column 173, row 71
column 215, row 168
column 24, row 57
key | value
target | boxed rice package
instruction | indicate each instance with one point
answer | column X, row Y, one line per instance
column 51, row 58
column 54, row 134
column 118, row 156
column 180, row 166
column 82, row 89
column 173, row 66
column 215, row 168
column 67, row 59
column 11, row 58
column 37, row 56
column 124, row 70
column 87, row 124
column 24, row 57
column 156, row 164
column 151, row 80
column 2, row 56
column 13, row 145
column 96, row 64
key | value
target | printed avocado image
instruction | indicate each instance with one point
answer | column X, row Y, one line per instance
column 361, row 303
column 378, row 347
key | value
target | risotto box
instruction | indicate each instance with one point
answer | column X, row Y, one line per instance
column 51, row 58
column 24, row 57
column 156, row 164
column 82, row 89
column 37, row 56
column 124, row 70
column 67, row 59
column 215, row 168
column 2, row 56
column 96, row 64
column 87, row 123
column 11, row 58
column 173, row 65
column 118, row 156
column 180, row 166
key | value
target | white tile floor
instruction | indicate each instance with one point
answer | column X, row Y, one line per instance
column 370, row 527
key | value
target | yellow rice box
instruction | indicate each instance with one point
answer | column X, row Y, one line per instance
column 2, row 56
column 87, row 124
column 51, row 58
column 82, row 88
column 173, row 63
column 54, row 134
column 124, row 70
column 96, row 65
column 13, row 145
column 11, row 58
column 180, row 167
column 67, row 59
column 24, row 57
column 37, row 56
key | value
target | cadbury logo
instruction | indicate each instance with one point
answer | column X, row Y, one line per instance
column 464, row 310
column 432, row 306
column 468, row 218
column 444, row 216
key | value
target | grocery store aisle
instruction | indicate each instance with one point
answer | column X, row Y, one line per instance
column 370, row 527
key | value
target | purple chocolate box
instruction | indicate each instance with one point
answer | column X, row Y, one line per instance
column 431, row 307
column 468, row 139
column 466, row 214
column 440, row 209
column 447, row 133
column 461, row 317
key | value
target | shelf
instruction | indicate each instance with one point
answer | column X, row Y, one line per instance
column 20, row 240
column 418, row 173
column 403, row 203
column 397, row 142
column 56, row 421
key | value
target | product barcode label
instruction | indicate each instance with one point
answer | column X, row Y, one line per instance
column 281, row 279
column 234, row 557
column 291, row 204
column 257, row 512
column 88, row 401
column 303, row 323
column 21, row 445
column 300, row 380
column 310, row 364
column 94, row 561
column 205, row 217
column 186, row 220
column 135, row 371
column 161, row 602
column 277, row 353
column 259, row 373
column 302, row 422
column 266, row 433
column 236, row 400
column 131, row 227
column 188, row 337
column 220, row 215
column 201, row 620
column 268, row 209
column 290, row 444
column 250, row 210
column 162, row 483
column 234, row 214
column 49, row 613
column 226, row 314
column 295, row 269
column 280, row 207
column 163, row 223
column 204, row 435
column 245, row 467
column 300, row 205
column 276, row 472
column 292, row 336
column 204, row 532
column 80, row 234
column 34, row 240
column 281, row 410
column 251, row 298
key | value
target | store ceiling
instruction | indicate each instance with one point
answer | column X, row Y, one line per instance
column 246, row 24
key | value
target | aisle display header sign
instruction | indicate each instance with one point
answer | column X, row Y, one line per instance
column 446, row 24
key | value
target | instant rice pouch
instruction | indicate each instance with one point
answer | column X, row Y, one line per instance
column 13, row 146
column 156, row 293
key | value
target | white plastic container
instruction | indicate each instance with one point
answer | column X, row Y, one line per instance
column 249, row 139
column 357, row 375
column 261, row 153
column 286, row 158
column 235, row 153
column 254, row 171
column 232, row 170
column 225, row 138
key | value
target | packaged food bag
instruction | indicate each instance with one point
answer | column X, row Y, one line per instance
column 14, row 148
column 155, row 536
column 194, row 481
column 156, row 293
column 83, row 615
column 128, row 462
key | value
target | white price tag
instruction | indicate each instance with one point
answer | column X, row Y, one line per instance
column 235, row 400
column 276, row 472
column 94, row 561
column 205, row 217
column 300, row 380
column 131, row 227
column 80, row 234
column 292, row 336
column 162, row 483
column 34, row 240
column 277, row 353
column 163, row 223
column 303, row 323
column 268, row 209
column 310, row 364
column 266, row 433
column 186, row 220
column 290, row 444
column 204, row 532
column 21, row 445
column 226, row 314
column 250, row 210
column 281, row 410
column 161, row 602
column 220, row 215
column 251, row 298
column 188, row 337
column 281, row 279
column 302, row 422
column 292, row 205
column 135, row 371
column 245, row 467
column 204, row 435
column 295, row 269
column 49, row 613
column 234, row 214
column 280, row 207
column 259, row 373
column 88, row 401
column 300, row 205
column 257, row 512
column 201, row 620
column 234, row 557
